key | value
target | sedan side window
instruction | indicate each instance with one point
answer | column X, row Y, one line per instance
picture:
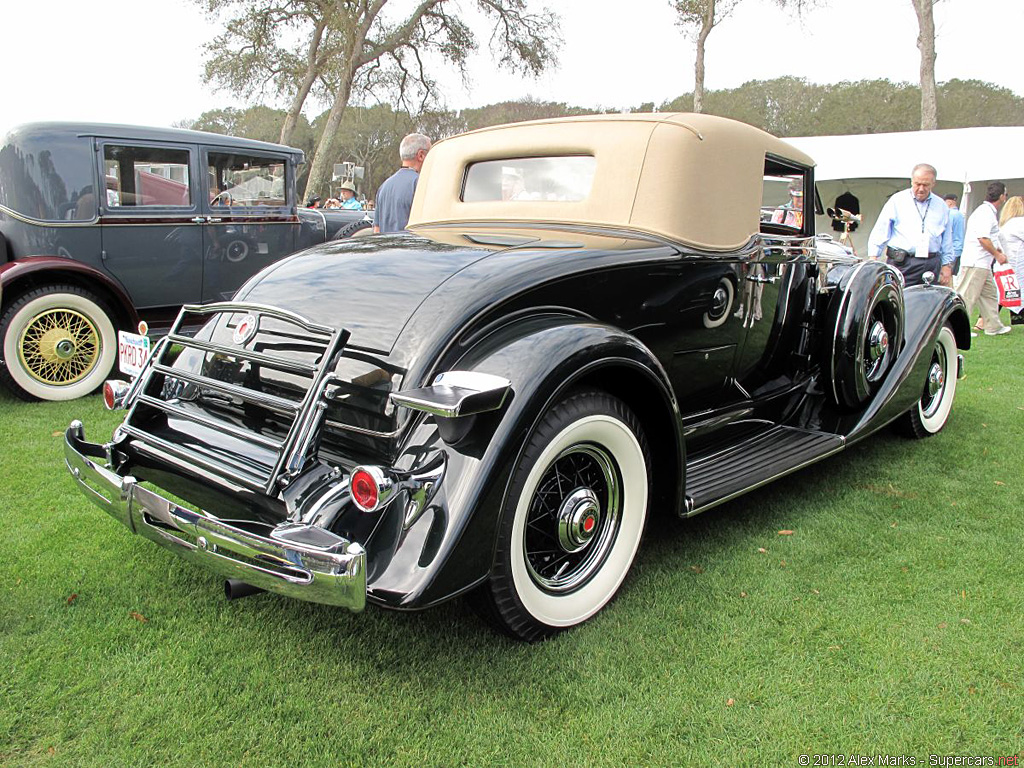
column 244, row 180
column 146, row 177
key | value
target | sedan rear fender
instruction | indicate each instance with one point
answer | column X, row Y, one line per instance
column 22, row 275
column 450, row 548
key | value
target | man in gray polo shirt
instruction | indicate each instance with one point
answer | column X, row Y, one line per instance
column 394, row 198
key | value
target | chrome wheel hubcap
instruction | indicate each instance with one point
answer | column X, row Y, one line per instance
column 936, row 378
column 934, row 387
column 878, row 341
column 577, row 520
column 64, row 349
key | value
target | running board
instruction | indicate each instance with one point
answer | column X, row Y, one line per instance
column 719, row 477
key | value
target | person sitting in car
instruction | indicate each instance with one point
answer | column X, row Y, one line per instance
column 791, row 213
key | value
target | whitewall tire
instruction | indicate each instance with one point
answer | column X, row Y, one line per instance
column 929, row 415
column 59, row 343
column 573, row 519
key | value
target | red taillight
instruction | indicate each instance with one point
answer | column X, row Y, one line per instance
column 114, row 393
column 365, row 492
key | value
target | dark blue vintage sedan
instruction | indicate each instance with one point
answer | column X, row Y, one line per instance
column 590, row 319
column 104, row 225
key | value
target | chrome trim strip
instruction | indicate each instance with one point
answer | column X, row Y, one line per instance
column 239, row 473
column 241, row 220
column 624, row 233
column 46, row 222
column 273, row 402
column 270, row 361
column 361, row 430
column 169, row 406
column 301, row 561
column 262, row 309
column 323, row 218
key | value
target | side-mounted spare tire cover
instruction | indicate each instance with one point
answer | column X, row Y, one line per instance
column 865, row 331
column 350, row 230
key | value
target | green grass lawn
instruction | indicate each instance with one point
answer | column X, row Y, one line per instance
column 891, row 621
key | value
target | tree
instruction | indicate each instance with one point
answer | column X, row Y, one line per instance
column 926, row 44
column 351, row 48
column 252, row 53
column 259, row 122
column 699, row 17
column 968, row 103
column 369, row 137
column 867, row 106
column 517, row 111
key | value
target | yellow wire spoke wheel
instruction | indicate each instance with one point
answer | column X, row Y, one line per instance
column 59, row 343
column 59, row 347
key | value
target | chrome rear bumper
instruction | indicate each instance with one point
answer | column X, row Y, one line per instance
column 296, row 560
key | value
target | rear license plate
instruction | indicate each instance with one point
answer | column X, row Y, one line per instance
column 132, row 352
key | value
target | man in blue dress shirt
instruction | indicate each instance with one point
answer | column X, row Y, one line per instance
column 957, row 225
column 913, row 233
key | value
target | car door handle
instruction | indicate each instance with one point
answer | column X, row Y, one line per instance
column 213, row 220
column 759, row 279
column 199, row 220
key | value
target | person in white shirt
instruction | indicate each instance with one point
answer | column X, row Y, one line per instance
column 913, row 233
column 1011, row 230
column 981, row 245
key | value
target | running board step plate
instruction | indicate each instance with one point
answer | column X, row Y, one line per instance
column 718, row 477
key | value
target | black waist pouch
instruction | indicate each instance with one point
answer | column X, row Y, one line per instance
column 897, row 255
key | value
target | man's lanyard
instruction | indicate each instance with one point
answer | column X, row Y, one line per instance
column 924, row 215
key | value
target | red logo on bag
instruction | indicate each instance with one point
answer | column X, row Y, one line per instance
column 1009, row 288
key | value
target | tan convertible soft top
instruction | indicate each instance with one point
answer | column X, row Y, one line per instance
column 695, row 179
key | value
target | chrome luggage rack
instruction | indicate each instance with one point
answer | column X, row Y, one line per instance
column 303, row 418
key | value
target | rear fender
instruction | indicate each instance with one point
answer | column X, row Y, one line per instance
column 449, row 548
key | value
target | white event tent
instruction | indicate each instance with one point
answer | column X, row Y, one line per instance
column 874, row 166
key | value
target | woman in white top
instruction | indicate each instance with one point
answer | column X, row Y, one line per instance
column 1011, row 232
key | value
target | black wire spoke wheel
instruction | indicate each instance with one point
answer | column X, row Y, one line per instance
column 573, row 519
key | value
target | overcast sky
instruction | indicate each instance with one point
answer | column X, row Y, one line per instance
column 140, row 61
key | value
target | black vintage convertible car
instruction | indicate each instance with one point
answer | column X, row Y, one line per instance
column 589, row 319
